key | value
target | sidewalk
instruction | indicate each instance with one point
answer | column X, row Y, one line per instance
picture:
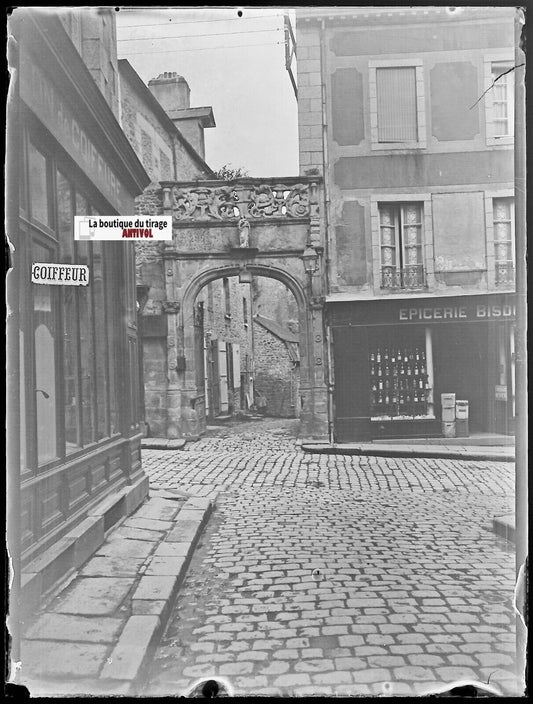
column 482, row 447
column 95, row 635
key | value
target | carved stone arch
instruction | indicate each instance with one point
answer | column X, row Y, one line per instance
column 205, row 276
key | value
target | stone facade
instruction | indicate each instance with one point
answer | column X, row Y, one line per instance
column 415, row 132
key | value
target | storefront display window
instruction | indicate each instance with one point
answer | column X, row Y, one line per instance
column 45, row 363
column 399, row 385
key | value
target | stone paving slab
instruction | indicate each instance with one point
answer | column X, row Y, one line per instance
column 63, row 627
column 102, row 566
column 93, row 596
column 51, row 658
column 96, row 635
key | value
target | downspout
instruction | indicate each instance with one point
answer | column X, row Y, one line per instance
column 328, row 366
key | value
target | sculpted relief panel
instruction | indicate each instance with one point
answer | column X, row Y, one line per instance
column 233, row 202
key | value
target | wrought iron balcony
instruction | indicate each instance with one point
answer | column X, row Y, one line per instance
column 505, row 274
column 410, row 277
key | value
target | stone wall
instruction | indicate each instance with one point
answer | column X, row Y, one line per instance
column 276, row 375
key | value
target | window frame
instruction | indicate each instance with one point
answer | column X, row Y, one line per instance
column 488, row 61
column 399, row 199
column 50, row 237
column 421, row 141
column 490, row 197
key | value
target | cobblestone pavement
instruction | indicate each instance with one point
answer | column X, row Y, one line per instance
column 336, row 574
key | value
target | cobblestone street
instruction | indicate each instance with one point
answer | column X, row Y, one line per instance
column 334, row 574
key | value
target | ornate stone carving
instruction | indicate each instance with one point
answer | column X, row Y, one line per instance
column 208, row 201
column 244, row 233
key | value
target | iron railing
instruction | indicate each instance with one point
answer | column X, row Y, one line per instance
column 505, row 274
column 411, row 277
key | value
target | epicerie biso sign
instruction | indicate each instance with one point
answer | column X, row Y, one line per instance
column 120, row 227
column 60, row 274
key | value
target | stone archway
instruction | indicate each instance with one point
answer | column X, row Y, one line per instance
column 220, row 229
column 309, row 376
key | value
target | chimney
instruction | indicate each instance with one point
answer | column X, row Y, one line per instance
column 171, row 91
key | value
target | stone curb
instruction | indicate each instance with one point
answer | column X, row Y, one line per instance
column 162, row 444
column 411, row 451
column 505, row 527
column 154, row 597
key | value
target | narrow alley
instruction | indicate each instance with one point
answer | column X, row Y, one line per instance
column 336, row 574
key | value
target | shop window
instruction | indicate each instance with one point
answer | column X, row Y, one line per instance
column 503, row 227
column 70, row 318
column 397, row 116
column 401, row 245
column 100, row 339
column 399, row 376
column 38, row 184
column 86, row 341
column 44, row 327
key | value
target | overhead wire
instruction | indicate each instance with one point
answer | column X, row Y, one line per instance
column 194, row 36
column 205, row 48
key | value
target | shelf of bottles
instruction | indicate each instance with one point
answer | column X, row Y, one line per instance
column 398, row 382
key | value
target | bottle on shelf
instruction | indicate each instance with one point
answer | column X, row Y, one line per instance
column 378, row 356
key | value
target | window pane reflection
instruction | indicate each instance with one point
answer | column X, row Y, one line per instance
column 45, row 375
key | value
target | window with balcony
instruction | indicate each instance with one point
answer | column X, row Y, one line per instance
column 503, row 227
column 401, row 241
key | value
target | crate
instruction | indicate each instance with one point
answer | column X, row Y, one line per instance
column 461, row 410
column 448, row 429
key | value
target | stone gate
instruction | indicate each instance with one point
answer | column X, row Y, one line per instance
column 247, row 227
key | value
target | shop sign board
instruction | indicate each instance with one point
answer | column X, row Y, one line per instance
column 41, row 95
column 466, row 309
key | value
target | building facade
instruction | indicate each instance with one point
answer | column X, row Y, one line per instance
column 74, row 436
column 408, row 114
column 231, row 346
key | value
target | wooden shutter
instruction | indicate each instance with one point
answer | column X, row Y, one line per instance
column 396, row 100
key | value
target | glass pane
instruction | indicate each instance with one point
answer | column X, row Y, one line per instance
column 100, row 340
column 45, row 360
column 38, row 185
column 22, row 400
column 65, row 221
column 70, row 317
column 113, row 332
column 86, row 349
column 70, row 371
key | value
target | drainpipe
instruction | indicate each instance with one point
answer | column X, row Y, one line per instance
column 521, row 484
column 328, row 371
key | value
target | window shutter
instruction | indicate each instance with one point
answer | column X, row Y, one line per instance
column 396, row 102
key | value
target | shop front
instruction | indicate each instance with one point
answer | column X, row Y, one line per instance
column 74, row 438
column 394, row 359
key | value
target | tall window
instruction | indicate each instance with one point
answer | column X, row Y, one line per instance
column 396, row 102
column 400, row 227
column 397, row 112
column 502, row 100
column 503, row 222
